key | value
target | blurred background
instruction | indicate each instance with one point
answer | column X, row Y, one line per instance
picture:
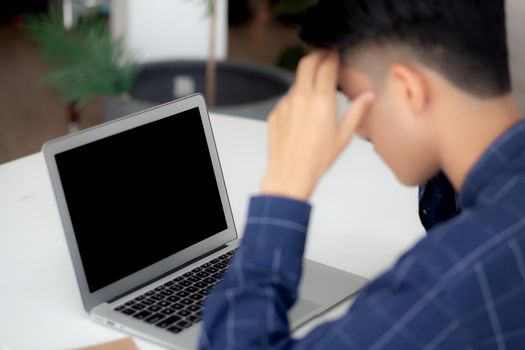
column 71, row 64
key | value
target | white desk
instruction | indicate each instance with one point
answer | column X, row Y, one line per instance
column 362, row 221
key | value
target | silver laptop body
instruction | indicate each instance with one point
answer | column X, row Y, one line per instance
column 142, row 202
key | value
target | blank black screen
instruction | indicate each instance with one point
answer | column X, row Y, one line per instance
column 140, row 196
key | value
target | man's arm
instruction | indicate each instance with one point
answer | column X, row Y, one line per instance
column 248, row 308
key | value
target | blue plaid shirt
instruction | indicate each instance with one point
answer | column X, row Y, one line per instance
column 461, row 287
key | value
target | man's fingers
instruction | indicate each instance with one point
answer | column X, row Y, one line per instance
column 326, row 77
column 306, row 72
column 280, row 108
column 355, row 115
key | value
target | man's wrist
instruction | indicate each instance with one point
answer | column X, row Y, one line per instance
column 287, row 186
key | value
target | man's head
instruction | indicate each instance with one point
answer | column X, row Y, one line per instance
column 420, row 57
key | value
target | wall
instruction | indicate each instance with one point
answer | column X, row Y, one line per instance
column 516, row 29
column 169, row 29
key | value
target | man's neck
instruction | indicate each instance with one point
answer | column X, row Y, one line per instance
column 468, row 132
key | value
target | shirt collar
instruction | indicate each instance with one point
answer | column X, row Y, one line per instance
column 499, row 154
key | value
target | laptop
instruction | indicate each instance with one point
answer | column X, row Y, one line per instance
column 149, row 227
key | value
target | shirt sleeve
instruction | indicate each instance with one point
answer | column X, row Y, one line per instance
column 248, row 308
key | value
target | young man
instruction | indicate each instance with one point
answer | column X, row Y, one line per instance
column 431, row 90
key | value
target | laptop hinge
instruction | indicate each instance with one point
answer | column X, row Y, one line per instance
column 167, row 273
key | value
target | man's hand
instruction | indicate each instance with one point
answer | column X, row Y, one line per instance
column 305, row 135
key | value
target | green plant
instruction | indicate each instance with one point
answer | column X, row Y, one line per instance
column 292, row 7
column 290, row 56
column 88, row 61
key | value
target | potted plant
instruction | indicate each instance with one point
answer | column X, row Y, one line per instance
column 231, row 87
column 87, row 60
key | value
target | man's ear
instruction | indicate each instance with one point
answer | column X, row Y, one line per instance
column 409, row 87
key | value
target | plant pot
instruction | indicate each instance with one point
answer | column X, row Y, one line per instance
column 115, row 107
column 243, row 89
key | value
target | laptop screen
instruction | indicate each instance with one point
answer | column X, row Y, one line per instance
column 139, row 196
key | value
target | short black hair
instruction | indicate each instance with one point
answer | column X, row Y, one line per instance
column 465, row 40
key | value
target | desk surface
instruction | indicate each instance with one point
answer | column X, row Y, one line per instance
column 361, row 222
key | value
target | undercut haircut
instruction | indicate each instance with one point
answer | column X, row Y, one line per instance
column 464, row 40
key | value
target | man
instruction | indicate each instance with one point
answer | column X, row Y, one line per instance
column 431, row 90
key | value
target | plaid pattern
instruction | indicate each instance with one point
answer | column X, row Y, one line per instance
column 461, row 287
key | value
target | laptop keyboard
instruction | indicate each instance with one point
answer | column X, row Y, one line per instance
column 178, row 304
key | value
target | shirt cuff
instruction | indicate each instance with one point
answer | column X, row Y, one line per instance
column 276, row 224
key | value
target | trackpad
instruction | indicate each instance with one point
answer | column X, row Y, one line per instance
column 300, row 310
